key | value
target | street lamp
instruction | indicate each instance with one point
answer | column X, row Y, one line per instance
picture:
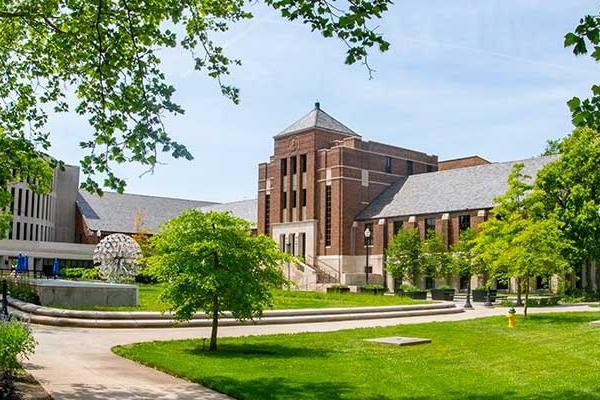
column 288, row 246
column 367, row 243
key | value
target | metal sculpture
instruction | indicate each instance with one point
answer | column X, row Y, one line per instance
column 118, row 256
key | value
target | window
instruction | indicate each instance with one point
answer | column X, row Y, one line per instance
column 410, row 167
column 18, row 234
column 292, row 244
column 284, row 200
column 294, row 165
column 284, row 166
column 294, row 198
column 464, row 222
column 26, row 210
column 368, row 241
column 267, row 214
column 12, row 202
column 327, row 215
column 429, row 226
column 37, row 206
column 302, row 162
column 282, row 243
column 30, row 231
column 302, row 244
column 430, row 168
column 398, row 226
column 303, row 198
column 388, row 165
column 19, row 202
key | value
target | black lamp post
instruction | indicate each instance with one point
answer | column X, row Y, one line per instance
column 367, row 243
column 4, row 315
column 288, row 246
column 468, row 304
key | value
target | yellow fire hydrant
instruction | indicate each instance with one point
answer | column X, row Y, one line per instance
column 512, row 317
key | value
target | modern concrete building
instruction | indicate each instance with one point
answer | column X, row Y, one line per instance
column 67, row 223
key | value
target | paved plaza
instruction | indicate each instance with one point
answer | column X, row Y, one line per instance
column 77, row 363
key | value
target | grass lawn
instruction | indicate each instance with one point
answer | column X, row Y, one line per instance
column 283, row 300
column 551, row 356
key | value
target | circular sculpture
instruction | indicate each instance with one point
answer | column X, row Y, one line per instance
column 118, row 257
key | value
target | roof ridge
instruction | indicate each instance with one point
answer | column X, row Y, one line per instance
column 152, row 196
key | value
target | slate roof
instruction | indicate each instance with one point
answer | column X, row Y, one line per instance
column 247, row 209
column 469, row 188
column 317, row 119
column 114, row 212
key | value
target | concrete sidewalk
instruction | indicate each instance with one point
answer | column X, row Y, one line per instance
column 77, row 363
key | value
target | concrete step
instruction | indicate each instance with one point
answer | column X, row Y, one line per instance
column 269, row 318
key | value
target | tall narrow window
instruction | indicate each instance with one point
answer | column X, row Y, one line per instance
column 267, row 214
column 398, row 226
column 302, row 162
column 284, row 166
column 24, row 231
column 18, row 233
column 26, row 209
column 410, row 167
column 388, row 165
column 294, row 165
column 327, row 215
column 30, row 231
column 12, row 202
column 464, row 222
column 429, row 227
column 19, row 201
column 294, row 198
column 303, row 198
column 37, row 206
column 284, row 200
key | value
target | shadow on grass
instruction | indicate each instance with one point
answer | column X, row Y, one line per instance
column 245, row 350
column 563, row 318
column 286, row 389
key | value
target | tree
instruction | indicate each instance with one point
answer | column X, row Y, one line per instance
column 100, row 59
column 404, row 258
column 462, row 256
column 211, row 262
column 569, row 188
column 20, row 163
column 521, row 241
column 585, row 38
column 435, row 258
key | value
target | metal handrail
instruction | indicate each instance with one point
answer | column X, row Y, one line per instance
column 318, row 264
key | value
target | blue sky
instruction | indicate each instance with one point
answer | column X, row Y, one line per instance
column 462, row 77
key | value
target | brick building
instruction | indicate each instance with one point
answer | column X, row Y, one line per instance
column 324, row 185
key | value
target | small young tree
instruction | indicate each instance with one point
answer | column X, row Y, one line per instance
column 462, row 257
column 435, row 258
column 404, row 255
column 521, row 241
column 211, row 262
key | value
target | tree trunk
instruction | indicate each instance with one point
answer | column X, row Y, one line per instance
column 215, row 324
column 526, row 296
column 519, row 293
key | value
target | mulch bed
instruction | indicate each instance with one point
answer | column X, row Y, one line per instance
column 24, row 387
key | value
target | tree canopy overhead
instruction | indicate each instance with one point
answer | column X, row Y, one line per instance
column 104, row 52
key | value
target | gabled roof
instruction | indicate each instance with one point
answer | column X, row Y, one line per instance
column 114, row 212
column 469, row 188
column 317, row 119
column 247, row 209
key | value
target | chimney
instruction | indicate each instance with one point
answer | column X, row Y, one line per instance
column 317, row 106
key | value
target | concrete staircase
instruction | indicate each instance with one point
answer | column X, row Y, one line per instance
column 100, row 319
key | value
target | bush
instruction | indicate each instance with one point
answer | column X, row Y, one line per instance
column 21, row 290
column 16, row 342
column 408, row 288
column 535, row 301
column 373, row 286
column 145, row 277
column 85, row 274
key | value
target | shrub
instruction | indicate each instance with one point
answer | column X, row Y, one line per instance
column 373, row 286
column 16, row 342
column 145, row 277
column 21, row 290
column 408, row 288
column 86, row 274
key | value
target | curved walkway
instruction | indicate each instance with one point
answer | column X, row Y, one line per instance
column 77, row 363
